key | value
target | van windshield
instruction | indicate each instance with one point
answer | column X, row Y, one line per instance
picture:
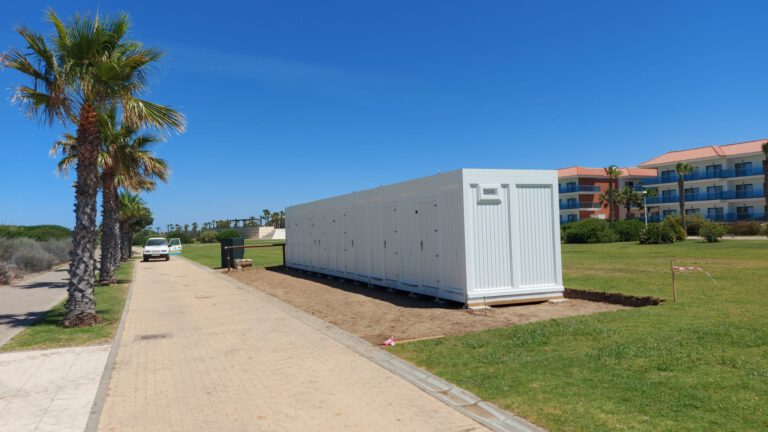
column 156, row 242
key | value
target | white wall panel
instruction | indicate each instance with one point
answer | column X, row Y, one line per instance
column 472, row 236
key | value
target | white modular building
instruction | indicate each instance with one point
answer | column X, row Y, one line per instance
column 480, row 237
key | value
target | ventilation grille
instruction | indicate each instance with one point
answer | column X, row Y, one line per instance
column 488, row 194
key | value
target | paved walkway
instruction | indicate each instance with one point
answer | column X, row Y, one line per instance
column 49, row 390
column 22, row 303
column 199, row 353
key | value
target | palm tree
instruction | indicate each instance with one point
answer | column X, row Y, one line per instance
column 133, row 216
column 86, row 66
column 628, row 197
column 613, row 172
column 267, row 216
column 682, row 169
column 125, row 161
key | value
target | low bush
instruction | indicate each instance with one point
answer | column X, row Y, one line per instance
column 673, row 223
column 628, row 230
column 207, row 237
column 589, row 231
column 711, row 231
column 657, row 233
column 181, row 235
column 59, row 248
column 693, row 224
column 8, row 272
column 744, row 228
column 29, row 255
column 227, row 234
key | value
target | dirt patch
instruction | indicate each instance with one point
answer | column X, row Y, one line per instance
column 614, row 298
column 374, row 313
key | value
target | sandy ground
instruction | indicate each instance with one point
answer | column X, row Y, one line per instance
column 374, row 314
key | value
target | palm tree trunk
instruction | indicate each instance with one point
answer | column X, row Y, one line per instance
column 611, row 201
column 81, row 303
column 110, row 230
column 125, row 241
column 681, row 199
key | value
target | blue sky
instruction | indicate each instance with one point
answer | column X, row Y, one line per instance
column 293, row 101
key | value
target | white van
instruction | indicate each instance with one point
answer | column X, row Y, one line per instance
column 156, row 247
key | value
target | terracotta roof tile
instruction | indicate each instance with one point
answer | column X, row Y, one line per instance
column 578, row 171
column 706, row 152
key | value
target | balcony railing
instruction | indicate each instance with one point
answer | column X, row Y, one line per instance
column 566, row 220
column 579, row 188
column 724, row 217
column 579, row 205
column 707, row 196
column 705, row 175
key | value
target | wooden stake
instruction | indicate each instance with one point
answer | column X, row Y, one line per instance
column 674, row 290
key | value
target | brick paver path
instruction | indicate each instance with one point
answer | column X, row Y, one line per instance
column 199, row 353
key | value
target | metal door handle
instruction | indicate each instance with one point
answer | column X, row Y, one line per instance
column 422, row 244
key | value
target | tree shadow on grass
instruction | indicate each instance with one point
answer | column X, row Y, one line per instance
column 395, row 296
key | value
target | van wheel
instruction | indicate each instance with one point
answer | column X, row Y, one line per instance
column 167, row 257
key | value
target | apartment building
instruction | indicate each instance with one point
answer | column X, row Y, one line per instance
column 580, row 190
column 726, row 184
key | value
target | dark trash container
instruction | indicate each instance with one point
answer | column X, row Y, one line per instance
column 232, row 254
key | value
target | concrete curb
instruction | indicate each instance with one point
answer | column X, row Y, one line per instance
column 456, row 397
column 106, row 376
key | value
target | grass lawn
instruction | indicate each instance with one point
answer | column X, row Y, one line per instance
column 698, row 364
column 47, row 333
column 209, row 254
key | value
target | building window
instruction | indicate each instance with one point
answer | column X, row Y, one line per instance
column 744, row 212
column 715, row 213
column 743, row 168
column 668, row 176
column 666, row 213
column 693, row 211
column 713, row 171
column 744, row 190
column 572, row 218
column 690, row 193
column 714, row 192
column 668, row 196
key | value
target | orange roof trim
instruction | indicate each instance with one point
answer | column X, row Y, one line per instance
column 578, row 171
column 706, row 152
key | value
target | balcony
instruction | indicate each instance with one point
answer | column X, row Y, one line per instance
column 705, row 175
column 724, row 217
column 707, row 196
column 579, row 205
column 579, row 188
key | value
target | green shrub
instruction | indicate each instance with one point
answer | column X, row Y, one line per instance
column 227, row 234
column 657, row 233
column 140, row 238
column 744, row 228
column 693, row 224
column 207, row 237
column 181, row 235
column 712, row 231
column 628, row 230
column 36, row 232
column 673, row 223
column 589, row 231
